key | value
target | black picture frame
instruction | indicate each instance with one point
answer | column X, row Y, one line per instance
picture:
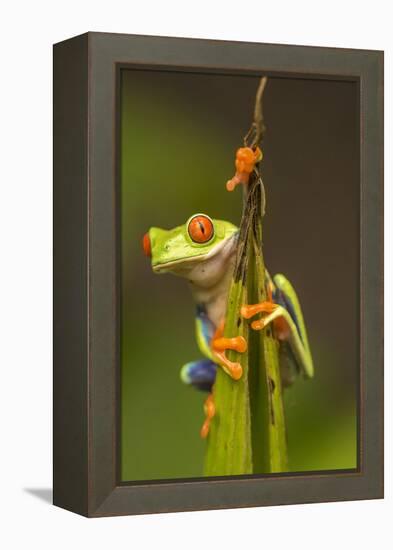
column 86, row 274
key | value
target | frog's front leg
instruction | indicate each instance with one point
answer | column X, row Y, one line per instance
column 246, row 159
column 284, row 311
column 220, row 344
column 202, row 374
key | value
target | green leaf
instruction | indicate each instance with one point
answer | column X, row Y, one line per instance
column 247, row 434
column 229, row 449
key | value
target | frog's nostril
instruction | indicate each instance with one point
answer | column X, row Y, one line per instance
column 146, row 244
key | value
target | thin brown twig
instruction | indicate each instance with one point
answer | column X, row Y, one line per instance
column 257, row 128
column 258, row 113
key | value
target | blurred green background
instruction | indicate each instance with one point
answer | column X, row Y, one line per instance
column 179, row 134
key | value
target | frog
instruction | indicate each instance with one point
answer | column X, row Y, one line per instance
column 203, row 252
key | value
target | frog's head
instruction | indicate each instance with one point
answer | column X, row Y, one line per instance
column 199, row 250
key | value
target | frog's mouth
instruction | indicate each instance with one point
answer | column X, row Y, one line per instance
column 226, row 246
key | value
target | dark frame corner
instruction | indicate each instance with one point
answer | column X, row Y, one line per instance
column 86, row 279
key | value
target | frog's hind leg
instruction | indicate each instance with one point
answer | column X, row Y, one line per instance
column 284, row 311
column 201, row 375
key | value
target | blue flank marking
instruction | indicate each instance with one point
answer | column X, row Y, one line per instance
column 208, row 328
column 200, row 374
column 283, row 300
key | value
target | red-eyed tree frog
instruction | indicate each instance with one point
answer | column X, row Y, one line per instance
column 202, row 251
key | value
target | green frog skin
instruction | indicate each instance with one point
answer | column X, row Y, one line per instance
column 202, row 251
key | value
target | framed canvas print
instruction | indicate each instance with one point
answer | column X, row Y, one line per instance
column 218, row 253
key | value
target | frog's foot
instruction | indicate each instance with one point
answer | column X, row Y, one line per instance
column 246, row 159
column 210, row 411
column 274, row 313
column 219, row 344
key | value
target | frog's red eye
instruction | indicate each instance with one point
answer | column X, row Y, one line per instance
column 200, row 229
